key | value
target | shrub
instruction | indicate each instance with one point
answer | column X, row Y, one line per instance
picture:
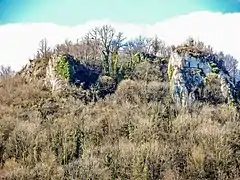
column 134, row 133
column 147, row 71
column 106, row 85
column 212, row 91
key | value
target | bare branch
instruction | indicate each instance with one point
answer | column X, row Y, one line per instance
column 44, row 50
column 5, row 71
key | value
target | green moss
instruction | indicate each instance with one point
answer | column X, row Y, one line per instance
column 215, row 70
column 230, row 102
column 170, row 71
column 212, row 64
column 136, row 59
column 63, row 68
column 114, row 65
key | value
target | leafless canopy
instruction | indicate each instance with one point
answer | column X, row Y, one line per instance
column 5, row 71
column 44, row 51
column 106, row 38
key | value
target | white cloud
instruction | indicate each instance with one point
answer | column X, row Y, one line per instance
column 18, row 42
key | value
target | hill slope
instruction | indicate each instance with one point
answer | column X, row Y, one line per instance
column 135, row 132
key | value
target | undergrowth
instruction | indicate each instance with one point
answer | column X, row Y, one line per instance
column 134, row 133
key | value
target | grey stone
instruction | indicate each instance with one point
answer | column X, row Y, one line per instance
column 188, row 79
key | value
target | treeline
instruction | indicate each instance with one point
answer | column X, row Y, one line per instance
column 101, row 42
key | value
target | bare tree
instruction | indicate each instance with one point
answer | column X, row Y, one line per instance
column 44, row 51
column 77, row 49
column 117, row 42
column 138, row 45
column 37, row 55
column 91, row 45
column 5, row 71
column 68, row 45
column 202, row 46
column 58, row 48
column 106, row 40
column 190, row 41
column 159, row 48
column 155, row 45
column 143, row 44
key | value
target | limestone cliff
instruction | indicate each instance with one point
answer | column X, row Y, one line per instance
column 189, row 70
column 59, row 71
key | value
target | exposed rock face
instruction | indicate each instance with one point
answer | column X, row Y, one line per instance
column 34, row 70
column 238, row 88
column 188, row 70
column 53, row 77
column 59, row 72
column 63, row 70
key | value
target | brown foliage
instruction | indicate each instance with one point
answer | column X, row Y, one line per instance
column 134, row 133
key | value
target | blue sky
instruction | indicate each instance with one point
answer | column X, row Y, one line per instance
column 73, row 12
column 23, row 23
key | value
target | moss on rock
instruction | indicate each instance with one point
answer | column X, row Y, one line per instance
column 63, row 68
column 170, row 72
column 215, row 70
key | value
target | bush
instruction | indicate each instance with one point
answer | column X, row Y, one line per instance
column 106, row 85
column 134, row 133
column 212, row 90
column 147, row 71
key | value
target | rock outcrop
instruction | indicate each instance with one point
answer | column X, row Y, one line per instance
column 238, row 89
column 35, row 70
column 188, row 71
column 59, row 72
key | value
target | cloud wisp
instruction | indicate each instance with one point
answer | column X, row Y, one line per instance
column 18, row 42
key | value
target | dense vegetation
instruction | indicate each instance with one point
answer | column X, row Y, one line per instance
column 135, row 132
